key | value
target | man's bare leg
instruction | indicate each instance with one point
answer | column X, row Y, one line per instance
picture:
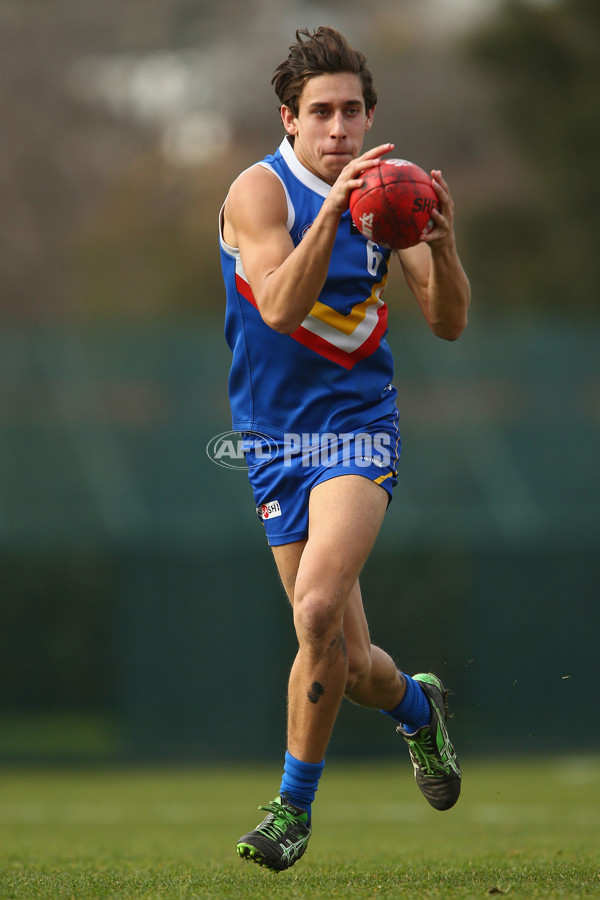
column 321, row 578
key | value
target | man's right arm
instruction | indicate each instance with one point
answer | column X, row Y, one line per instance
column 286, row 281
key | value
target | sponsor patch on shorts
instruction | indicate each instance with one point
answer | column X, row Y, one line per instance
column 269, row 510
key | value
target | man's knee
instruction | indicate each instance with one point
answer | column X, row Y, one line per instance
column 318, row 619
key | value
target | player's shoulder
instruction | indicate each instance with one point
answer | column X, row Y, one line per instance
column 258, row 189
column 257, row 177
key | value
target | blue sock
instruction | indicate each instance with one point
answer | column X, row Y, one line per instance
column 300, row 781
column 413, row 710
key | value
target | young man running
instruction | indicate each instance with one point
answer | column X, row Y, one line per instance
column 312, row 370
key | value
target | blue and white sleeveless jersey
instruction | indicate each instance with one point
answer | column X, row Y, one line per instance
column 334, row 373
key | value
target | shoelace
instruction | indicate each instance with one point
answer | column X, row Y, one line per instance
column 281, row 818
column 422, row 750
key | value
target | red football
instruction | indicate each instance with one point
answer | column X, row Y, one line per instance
column 393, row 206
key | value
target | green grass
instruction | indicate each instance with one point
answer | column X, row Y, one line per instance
column 522, row 828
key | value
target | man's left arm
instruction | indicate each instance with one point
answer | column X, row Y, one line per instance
column 434, row 271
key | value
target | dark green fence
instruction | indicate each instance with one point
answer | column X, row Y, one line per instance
column 139, row 597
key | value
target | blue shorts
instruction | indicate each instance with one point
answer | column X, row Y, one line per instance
column 282, row 485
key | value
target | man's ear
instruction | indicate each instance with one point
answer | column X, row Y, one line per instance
column 289, row 120
column 370, row 115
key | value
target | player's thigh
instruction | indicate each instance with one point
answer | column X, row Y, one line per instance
column 356, row 630
column 344, row 518
column 287, row 559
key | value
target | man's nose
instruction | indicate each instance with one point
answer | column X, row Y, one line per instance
column 338, row 125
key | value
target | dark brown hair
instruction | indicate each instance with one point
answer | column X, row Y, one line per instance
column 325, row 51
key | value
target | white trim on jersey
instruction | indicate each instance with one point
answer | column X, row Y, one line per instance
column 291, row 211
column 301, row 172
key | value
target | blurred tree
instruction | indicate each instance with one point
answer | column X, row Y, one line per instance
column 538, row 247
column 97, row 222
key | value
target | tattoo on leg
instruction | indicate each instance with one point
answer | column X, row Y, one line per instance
column 316, row 692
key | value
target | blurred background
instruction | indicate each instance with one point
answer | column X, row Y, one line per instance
column 140, row 615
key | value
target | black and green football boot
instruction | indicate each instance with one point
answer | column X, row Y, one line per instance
column 437, row 770
column 280, row 839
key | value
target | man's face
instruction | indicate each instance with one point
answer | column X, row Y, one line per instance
column 331, row 123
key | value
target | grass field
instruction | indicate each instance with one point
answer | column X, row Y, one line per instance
column 523, row 828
